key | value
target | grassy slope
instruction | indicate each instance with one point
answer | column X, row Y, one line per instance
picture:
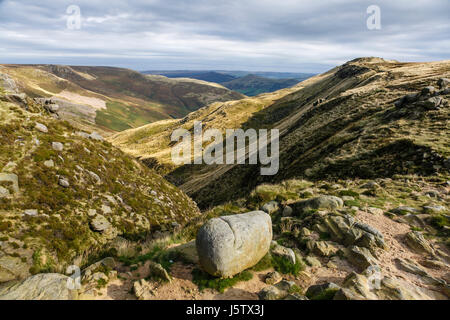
column 60, row 234
column 153, row 140
column 132, row 99
column 355, row 132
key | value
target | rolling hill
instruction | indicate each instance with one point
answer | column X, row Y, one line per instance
column 248, row 83
column 253, row 85
column 114, row 99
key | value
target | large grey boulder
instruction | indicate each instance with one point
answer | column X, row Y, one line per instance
column 44, row 286
column 231, row 244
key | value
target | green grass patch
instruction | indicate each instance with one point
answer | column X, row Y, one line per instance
column 284, row 266
column 204, row 280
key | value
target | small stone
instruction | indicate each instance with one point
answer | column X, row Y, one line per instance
column 273, row 278
column 57, row 146
column 428, row 90
column 4, row 192
column 49, row 163
column 443, row 83
column 375, row 211
column 106, row 209
column 31, row 212
column 40, row 127
column 95, row 136
column 283, row 252
column 270, row 207
column 100, row 223
column 92, row 212
column 63, row 182
column 287, row 211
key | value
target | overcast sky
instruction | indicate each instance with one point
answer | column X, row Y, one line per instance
column 264, row 35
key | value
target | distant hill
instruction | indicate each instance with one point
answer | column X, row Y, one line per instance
column 114, row 99
column 245, row 82
column 252, row 85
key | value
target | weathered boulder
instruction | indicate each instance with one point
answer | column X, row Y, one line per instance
column 403, row 210
column 231, row 244
column 321, row 202
column 45, row 286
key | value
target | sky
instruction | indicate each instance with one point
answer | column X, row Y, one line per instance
column 253, row 35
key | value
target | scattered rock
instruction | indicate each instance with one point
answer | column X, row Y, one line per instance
column 157, row 270
column 319, row 289
column 375, row 211
column 100, row 223
column 270, row 207
column 57, row 146
column 106, row 209
column 95, row 136
column 143, row 289
column 287, row 211
column 49, row 163
column 417, row 242
column 313, row 261
column 276, row 292
column 94, row 176
column 443, row 83
column 434, row 209
column 45, row 286
column 231, row 244
column 280, row 251
column 428, row 91
column 403, row 210
column 324, row 248
column 31, row 212
column 434, row 264
column 360, row 257
column 321, row 202
column 273, row 278
column 409, row 266
column 11, row 177
column 4, row 192
column 12, row 268
column 40, row 127
column 63, row 182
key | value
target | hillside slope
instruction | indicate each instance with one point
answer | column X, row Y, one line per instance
column 151, row 143
column 113, row 99
column 342, row 124
column 252, row 85
column 67, row 196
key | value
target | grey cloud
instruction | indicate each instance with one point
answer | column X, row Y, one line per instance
column 266, row 35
